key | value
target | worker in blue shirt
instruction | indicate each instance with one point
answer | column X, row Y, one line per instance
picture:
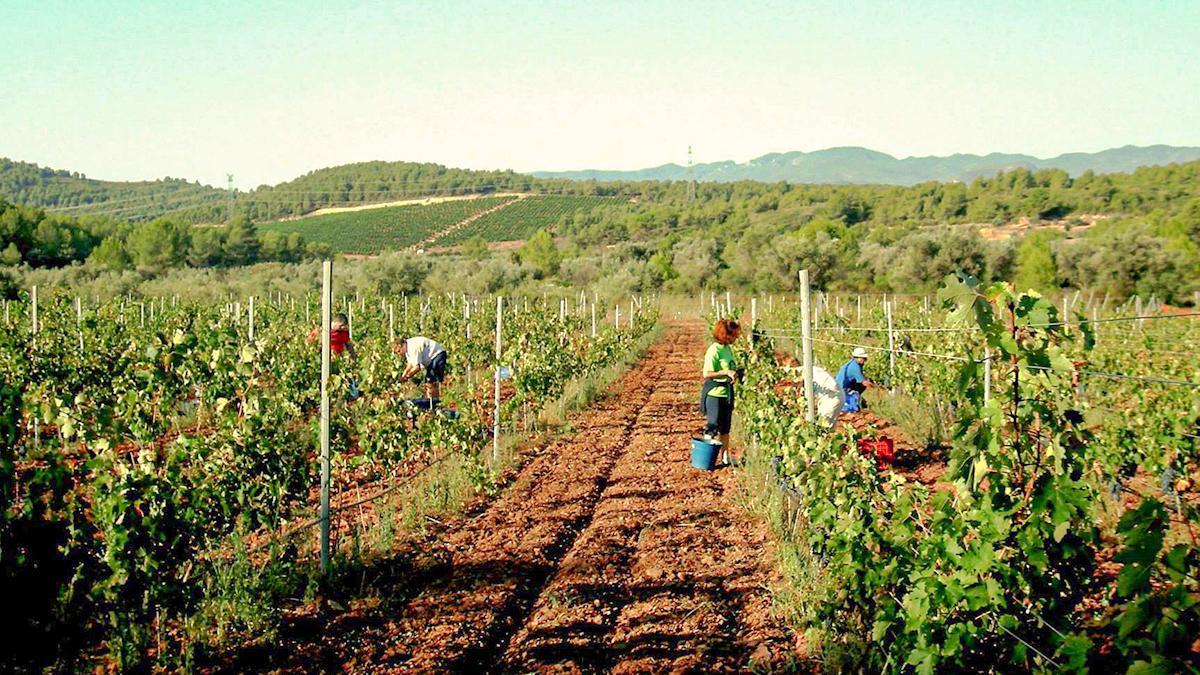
column 853, row 381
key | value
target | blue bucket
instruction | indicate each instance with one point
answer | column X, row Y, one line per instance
column 704, row 453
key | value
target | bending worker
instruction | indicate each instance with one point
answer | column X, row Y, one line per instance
column 421, row 352
column 852, row 381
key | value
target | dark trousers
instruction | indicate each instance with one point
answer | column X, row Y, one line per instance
column 719, row 415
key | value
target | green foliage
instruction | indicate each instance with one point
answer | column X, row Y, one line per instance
column 157, row 245
column 1035, row 262
column 541, row 253
column 475, row 248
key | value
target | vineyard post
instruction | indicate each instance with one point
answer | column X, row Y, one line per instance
column 1137, row 308
column 467, row 317
column 33, row 309
column 1066, row 321
column 593, row 319
column 79, row 320
column 753, row 315
column 887, row 308
column 631, row 312
column 250, row 320
column 350, row 321
column 496, row 410
column 142, row 310
column 810, row 405
column 307, row 319
column 6, row 313
column 392, row 323
column 859, row 319
column 617, row 315
column 326, row 302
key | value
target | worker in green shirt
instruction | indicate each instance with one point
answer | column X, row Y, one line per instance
column 720, row 375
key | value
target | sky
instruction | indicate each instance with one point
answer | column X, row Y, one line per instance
column 268, row 91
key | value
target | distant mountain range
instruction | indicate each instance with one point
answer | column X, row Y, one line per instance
column 861, row 165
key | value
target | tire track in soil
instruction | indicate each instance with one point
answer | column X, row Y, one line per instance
column 607, row 553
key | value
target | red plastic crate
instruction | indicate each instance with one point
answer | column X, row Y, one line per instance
column 882, row 449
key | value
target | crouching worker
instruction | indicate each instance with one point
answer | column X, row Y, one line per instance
column 339, row 343
column 423, row 353
column 852, row 381
column 339, row 335
column 720, row 375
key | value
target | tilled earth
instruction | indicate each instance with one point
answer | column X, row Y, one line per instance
column 608, row 552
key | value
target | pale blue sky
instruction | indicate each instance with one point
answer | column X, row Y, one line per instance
column 271, row 90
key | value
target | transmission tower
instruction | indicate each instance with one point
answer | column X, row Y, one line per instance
column 229, row 209
column 691, row 177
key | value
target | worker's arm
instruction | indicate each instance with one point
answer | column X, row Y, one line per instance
column 409, row 370
column 350, row 349
column 709, row 374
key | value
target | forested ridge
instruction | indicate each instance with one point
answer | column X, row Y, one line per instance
column 1124, row 233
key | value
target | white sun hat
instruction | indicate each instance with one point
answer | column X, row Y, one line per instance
column 859, row 353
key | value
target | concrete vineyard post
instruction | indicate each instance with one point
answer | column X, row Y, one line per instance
column 891, row 346
column 593, row 319
column 496, row 411
column 753, row 314
column 33, row 310
column 858, row 320
column 6, row 314
column 810, row 405
column 392, row 323
column 617, row 316
column 326, row 307
column 79, row 320
column 250, row 321
column 1066, row 320
column 467, row 316
column 350, row 321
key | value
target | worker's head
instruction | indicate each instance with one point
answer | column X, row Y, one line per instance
column 859, row 354
column 726, row 331
column 339, row 322
column 401, row 347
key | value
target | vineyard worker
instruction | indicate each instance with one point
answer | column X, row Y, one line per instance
column 339, row 335
column 853, row 381
column 720, row 374
column 421, row 352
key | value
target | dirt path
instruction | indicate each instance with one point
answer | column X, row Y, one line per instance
column 607, row 553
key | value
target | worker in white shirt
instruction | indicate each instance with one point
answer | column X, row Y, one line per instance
column 422, row 353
